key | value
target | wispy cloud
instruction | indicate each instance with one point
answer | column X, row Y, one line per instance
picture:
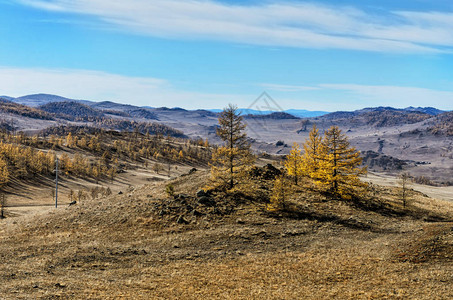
column 288, row 24
column 98, row 86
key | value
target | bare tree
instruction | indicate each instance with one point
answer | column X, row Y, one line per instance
column 157, row 168
column 404, row 181
column 2, row 205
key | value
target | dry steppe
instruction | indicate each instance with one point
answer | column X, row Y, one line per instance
column 142, row 244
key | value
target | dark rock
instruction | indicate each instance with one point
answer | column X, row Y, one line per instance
column 267, row 172
column 181, row 220
column 202, row 193
column 197, row 213
column 193, row 170
column 206, row 201
column 181, row 196
column 120, row 193
column 73, row 203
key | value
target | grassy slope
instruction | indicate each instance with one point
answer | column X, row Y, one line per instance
column 130, row 246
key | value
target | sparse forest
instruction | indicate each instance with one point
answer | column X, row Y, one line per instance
column 92, row 153
column 328, row 163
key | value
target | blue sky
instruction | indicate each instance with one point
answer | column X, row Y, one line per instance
column 316, row 55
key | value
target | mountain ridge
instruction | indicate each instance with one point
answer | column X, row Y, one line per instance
column 35, row 100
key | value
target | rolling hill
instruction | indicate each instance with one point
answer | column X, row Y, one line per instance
column 421, row 137
column 73, row 111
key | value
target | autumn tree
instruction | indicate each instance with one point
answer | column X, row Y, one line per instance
column 293, row 163
column 339, row 169
column 70, row 141
column 281, row 191
column 4, row 173
column 314, row 154
column 231, row 161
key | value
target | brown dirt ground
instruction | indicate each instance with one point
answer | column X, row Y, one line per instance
column 443, row 193
column 130, row 246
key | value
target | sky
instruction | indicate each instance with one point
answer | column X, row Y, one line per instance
column 317, row 55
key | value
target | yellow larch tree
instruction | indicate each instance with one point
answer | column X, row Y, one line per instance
column 231, row 161
column 293, row 163
column 4, row 173
column 339, row 170
column 314, row 153
column 281, row 191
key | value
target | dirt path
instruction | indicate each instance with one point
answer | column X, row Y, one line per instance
column 442, row 193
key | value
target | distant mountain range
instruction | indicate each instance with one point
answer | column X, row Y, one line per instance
column 300, row 113
column 37, row 100
column 427, row 110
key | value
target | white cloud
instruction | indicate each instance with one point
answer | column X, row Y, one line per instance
column 99, row 86
column 304, row 25
column 145, row 91
column 396, row 96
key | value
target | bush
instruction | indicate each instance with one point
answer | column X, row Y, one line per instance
column 170, row 190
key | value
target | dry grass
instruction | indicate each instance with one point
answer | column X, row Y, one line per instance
column 122, row 247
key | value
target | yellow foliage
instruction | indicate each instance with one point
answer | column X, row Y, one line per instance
column 280, row 194
column 4, row 173
column 315, row 152
column 231, row 162
column 230, row 166
column 339, row 166
column 293, row 163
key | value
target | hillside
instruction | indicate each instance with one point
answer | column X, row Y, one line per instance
column 274, row 115
column 109, row 105
column 145, row 220
column 420, row 136
column 73, row 111
column 428, row 110
column 442, row 124
column 9, row 107
column 140, row 244
column 41, row 99
column 142, row 113
column 89, row 156
column 377, row 117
